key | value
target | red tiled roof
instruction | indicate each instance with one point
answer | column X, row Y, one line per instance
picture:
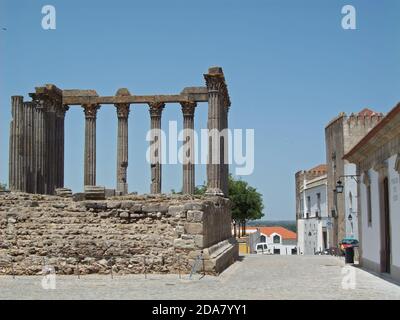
column 285, row 233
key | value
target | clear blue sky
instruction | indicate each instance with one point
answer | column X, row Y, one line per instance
column 290, row 68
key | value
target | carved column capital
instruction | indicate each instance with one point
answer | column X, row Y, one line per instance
column 90, row 110
column 122, row 110
column 188, row 108
column 156, row 108
column 214, row 82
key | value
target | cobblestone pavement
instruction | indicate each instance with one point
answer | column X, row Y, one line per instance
column 254, row 277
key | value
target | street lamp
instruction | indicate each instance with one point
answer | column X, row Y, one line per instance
column 339, row 187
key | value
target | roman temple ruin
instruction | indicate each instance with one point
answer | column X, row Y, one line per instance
column 42, row 224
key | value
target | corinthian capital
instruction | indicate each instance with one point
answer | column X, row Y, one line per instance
column 188, row 108
column 90, row 110
column 122, row 110
column 156, row 108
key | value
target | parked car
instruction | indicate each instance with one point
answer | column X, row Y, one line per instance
column 262, row 248
column 346, row 243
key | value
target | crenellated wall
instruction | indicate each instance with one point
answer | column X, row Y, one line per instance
column 131, row 234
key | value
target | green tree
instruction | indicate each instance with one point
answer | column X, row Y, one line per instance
column 3, row 186
column 200, row 190
column 247, row 203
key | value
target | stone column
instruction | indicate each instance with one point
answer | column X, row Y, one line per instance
column 225, row 143
column 188, row 108
column 16, row 141
column 60, row 120
column 50, row 118
column 217, row 98
column 29, row 156
column 40, row 147
column 90, row 111
column 122, row 148
column 156, row 109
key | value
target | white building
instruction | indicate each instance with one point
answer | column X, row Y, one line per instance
column 312, row 215
column 377, row 157
column 279, row 240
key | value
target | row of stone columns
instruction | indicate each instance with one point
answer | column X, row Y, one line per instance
column 37, row 141
column 36, row 163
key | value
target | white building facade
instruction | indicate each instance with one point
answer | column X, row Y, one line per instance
column 377, row 157
column 279, row 240
column 313, row 221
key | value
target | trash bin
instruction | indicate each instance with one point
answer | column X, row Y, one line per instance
column 349, row 255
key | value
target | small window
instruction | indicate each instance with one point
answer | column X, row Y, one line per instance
column 277, row 239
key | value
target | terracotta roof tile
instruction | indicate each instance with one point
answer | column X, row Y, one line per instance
column 285, row 233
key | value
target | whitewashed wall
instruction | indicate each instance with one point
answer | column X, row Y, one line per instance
column 394, row 193
column 350, row 191
column 370, row 243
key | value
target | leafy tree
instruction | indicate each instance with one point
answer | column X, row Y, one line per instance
column 200, row 190
column 3, row 186
column 247, row 203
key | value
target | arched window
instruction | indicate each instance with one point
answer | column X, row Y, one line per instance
column 277, row 238
column 263, row 239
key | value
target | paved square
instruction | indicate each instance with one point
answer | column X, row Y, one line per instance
column 254, row 277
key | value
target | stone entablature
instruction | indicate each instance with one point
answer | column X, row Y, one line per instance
column 167, row 232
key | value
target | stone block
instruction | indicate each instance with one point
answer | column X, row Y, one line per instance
column 113, row 205
column 136, row 208
column 184, row 244
column 127, row 204
column 193, row 228
column 95, row 193
column 199, row 241
column 175, row 210
column 124, row 214
column 195, row 215
column 194, row 206
column 155, row 207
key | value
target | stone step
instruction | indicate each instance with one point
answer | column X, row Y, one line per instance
column 95, row 193
column 64, row 192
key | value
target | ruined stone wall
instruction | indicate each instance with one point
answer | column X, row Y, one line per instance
column 131, row 234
